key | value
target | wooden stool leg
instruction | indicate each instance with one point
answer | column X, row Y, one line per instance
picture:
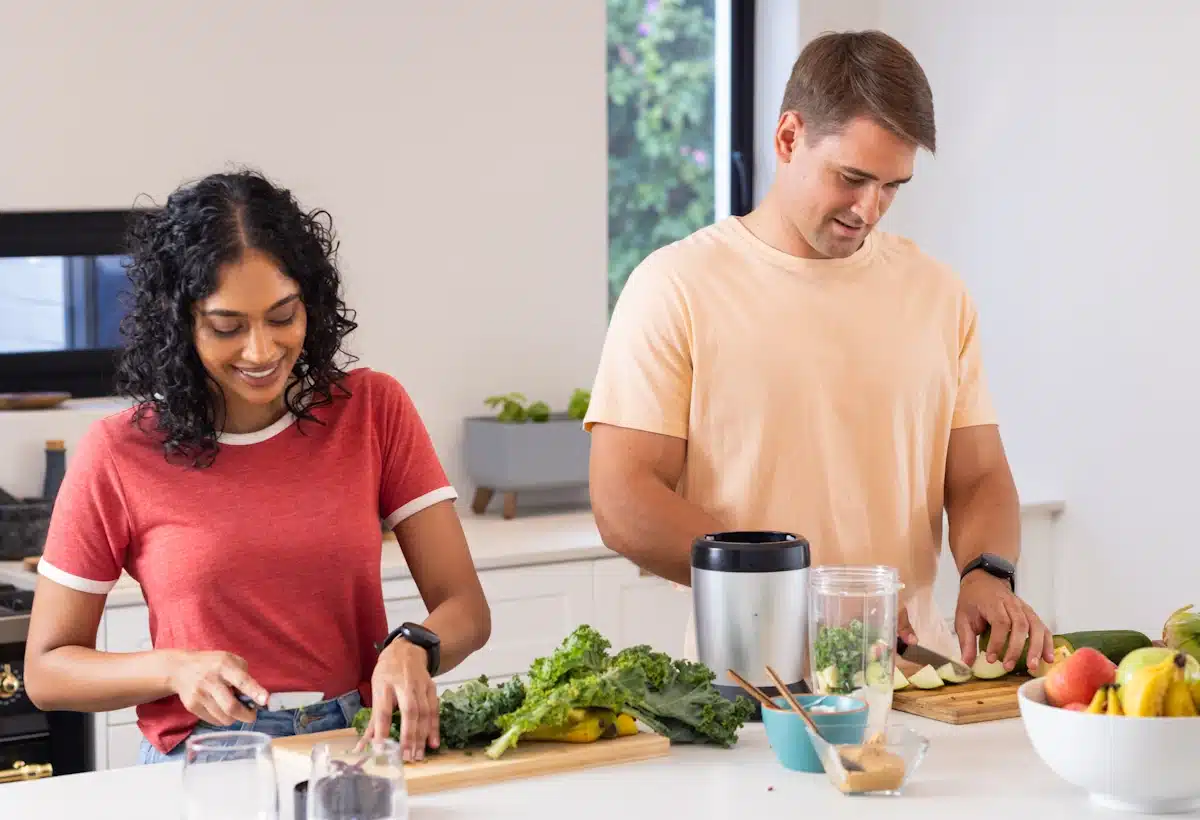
column 483, row 497
column 510, row 505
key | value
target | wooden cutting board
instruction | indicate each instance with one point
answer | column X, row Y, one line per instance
column 459, row 768
column 972, row 702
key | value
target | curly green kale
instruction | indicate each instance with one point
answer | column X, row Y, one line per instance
column 584, row 651
column 467, row 714
column 681, row 702
column 838, row 654
column 616, row 689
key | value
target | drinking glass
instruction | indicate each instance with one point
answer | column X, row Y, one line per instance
column 852, row 635
column 230, row 776
column 348, row 783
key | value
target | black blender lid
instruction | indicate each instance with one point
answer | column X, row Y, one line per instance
column 750, row 551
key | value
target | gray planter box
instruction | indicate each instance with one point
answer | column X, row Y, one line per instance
column 509, row 457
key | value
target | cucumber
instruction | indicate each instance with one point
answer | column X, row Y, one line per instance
column 1113, row 644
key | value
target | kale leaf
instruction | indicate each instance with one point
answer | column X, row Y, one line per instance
column 584, row 651
column 681, row 702
column 614, row 689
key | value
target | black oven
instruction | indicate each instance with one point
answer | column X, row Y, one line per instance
column 33, row 743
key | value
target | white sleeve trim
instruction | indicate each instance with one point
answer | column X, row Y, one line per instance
column 419, row 503
column 60, row 576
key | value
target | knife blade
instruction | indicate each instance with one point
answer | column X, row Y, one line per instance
column 914, row 653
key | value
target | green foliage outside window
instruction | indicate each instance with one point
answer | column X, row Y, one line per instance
column 660, row 127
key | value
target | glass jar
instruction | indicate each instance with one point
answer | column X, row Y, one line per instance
column 352, row 783
column 852, row 613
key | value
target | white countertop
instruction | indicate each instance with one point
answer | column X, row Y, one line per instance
column 979, row 771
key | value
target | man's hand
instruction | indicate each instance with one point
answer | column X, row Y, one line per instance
column 985, row 600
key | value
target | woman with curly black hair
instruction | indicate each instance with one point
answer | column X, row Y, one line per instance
column 244, row 490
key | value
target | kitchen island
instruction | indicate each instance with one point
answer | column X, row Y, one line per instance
column 979, row 771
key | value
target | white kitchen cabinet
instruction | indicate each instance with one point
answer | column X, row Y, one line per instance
column 633, row 607
column 121, row 745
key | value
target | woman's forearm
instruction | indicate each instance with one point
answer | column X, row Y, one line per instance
column 79, row 679
column 463, row 624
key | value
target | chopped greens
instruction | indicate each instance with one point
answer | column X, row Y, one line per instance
column 838, row 658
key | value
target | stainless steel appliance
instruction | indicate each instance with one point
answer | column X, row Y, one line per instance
column 750, row 596
column 33, row 743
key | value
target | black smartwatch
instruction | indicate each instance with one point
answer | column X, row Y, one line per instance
column 420, row 636
column 995, row 565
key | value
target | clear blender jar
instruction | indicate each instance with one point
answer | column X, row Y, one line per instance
column 852, row 612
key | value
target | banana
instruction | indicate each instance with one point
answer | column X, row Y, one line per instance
column 1099, row 700
column 1113, row 706
column 1145, row 693
column 1178, row 700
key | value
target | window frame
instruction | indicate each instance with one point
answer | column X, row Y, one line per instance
column 84, row 373
column 741, row 107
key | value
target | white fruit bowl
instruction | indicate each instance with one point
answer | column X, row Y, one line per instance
column 1148, row 765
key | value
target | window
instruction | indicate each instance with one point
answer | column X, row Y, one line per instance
column 680, row 122
column 62, row 277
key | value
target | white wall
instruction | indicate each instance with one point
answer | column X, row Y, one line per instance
column 1064, row 192
column 460, row 146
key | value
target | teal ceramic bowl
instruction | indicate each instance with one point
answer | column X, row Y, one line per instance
column 788, row 735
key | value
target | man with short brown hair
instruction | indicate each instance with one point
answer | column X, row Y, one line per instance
column 796, row 369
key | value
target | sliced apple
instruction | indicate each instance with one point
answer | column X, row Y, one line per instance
column 927, row 678
column 877, row 676
column 986, row 670
column 950, row 674
column 898, row 680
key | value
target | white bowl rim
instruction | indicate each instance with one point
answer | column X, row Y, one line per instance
column 1033, row 692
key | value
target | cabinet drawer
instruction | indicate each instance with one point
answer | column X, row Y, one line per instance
column 123, row 745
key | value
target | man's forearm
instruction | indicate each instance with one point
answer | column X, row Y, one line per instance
column 985, row 516
column 652, row 526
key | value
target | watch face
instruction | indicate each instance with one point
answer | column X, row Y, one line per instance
column 420, row 635
column 998, row 563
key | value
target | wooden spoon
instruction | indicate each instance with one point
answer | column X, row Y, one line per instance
column 847, row 764
column 754, row 691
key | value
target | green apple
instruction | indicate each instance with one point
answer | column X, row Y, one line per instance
column 1150, row 655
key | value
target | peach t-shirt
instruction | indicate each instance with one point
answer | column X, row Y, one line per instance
column 816, row 396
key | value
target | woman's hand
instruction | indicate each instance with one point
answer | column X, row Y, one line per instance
column 205, row 682
column 401, row 680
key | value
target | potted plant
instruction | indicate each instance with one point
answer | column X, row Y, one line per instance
column 525, row 446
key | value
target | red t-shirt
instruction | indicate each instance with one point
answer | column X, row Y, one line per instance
column 272, row 552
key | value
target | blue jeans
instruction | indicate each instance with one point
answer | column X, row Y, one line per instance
column 325, row 716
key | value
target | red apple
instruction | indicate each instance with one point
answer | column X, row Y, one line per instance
column 1076, row 679
column 1076, row 707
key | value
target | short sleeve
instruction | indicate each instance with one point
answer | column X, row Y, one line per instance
column 973, row 404
column 88, row 538
column 644, row 379
column 412, row 477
